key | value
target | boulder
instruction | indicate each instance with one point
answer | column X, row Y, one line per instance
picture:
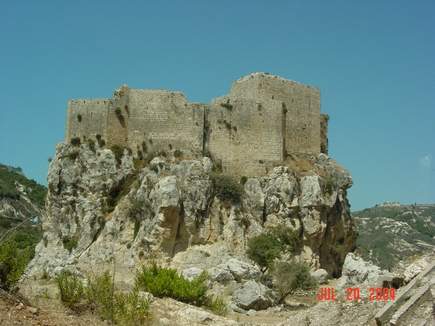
column 242, row 270
column 191, row 273
column 320, row 275
column 234, row 269
column 220, row 274
column 357, row 271
column 254, row 295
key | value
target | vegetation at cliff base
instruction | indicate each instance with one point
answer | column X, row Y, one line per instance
column 18, row 235
column 289, row 276
column 166, row 282
column 99, row 296
column 13, row 262
column 286, row 276
column 266, row 247
column 70, row 288
column 16, row 251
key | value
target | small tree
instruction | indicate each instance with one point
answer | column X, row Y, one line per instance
column 227, row 189
column 263, row 249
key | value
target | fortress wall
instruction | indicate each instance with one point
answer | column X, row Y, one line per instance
column 324, row 118
column 301, row 104
column 246, row 137
column 303, row 121
column 87, row 118
column 118, row 118
column 251, row 130
column 162, row 120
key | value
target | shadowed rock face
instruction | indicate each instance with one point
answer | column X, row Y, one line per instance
column 100, row 210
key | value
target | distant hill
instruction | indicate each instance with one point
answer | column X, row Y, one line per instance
column 20, row 198
column 13, row 184
column 391, row 234
column 21, row 207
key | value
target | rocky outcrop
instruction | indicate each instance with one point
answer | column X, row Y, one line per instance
column 105, row 209
column 357, row 271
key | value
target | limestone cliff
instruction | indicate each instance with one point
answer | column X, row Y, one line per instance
column 104, row 208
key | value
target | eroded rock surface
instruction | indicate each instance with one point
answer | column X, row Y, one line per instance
column 104, row 209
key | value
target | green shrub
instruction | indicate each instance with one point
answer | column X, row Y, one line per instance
column 288, row 238
column 99, row 292
column 166, row 282
column 100, row 140
column 226, row 188
column 178, row 153
column 329, row 184
column 75, row 141
column 217, row 305
column 243, row 180
column 26, row 237
column 120, row 117
column 137, row 206
column 264, row 248
column 245, row 221
column 130, row 309
column 227, row 105
column 73, row 155
column 118, row 151
column 119, row 190
column 69, row 243
column 91, row 145
column 71, row 289
column 290, row 276
column 14, row 261
column 99, row 295
column 144, row 147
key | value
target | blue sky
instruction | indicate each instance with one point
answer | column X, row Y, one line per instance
column 372, row 60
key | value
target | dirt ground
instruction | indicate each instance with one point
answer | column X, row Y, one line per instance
column 13, row 312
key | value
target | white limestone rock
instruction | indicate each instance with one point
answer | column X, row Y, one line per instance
column 254, row 295
column 191, row 273
column 357, row 271
column 311, row 194
column 320, row 275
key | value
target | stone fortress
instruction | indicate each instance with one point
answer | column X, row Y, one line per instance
column 256, row 126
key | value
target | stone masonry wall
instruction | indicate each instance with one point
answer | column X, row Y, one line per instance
column 118, row 118
column 300, row 104
column 244, row 135
column 87, row 118
column 263, row 119
column 161, row 121
column 324, row 118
